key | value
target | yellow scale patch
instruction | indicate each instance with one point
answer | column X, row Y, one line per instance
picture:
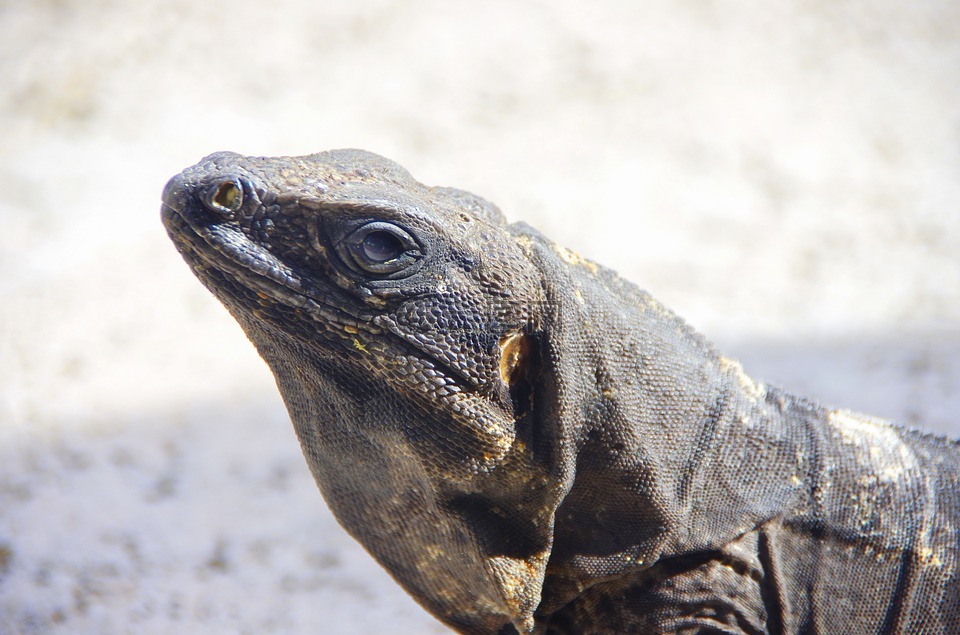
column 877, row 441
column 754, row 390
column 573, row 258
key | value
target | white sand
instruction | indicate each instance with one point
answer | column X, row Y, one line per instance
column 785, row 175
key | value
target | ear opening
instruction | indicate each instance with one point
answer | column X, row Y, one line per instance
column 519, row 367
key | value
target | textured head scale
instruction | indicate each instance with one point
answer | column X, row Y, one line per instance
column 405, row 356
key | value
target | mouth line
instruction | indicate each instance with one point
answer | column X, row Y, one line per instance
column 228, row 252
column 208, row 249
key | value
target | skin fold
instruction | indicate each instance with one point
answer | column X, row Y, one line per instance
column 530, row 444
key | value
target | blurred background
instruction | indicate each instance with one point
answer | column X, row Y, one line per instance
column 785, row 175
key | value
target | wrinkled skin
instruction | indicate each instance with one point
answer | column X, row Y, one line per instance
column 528, row 443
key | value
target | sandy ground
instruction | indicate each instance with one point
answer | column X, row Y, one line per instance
column 784, row 175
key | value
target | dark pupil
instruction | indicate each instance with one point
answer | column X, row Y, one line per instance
column 381, row 246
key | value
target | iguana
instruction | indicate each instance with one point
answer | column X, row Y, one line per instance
column 530, row 444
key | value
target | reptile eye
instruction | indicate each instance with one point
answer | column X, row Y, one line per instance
column 381, row 248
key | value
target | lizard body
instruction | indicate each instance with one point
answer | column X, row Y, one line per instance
column 528, row 443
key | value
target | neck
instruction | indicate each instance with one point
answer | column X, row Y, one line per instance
column 677, row 449
column 750, row 462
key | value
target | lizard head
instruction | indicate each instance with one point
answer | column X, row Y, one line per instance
column 400, row 322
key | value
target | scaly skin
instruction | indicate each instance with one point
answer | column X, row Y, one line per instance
column 529, row 443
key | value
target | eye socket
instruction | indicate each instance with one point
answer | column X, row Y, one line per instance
column 381, row 248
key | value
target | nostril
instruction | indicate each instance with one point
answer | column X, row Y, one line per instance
column 224, row 197
column 229, row 196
